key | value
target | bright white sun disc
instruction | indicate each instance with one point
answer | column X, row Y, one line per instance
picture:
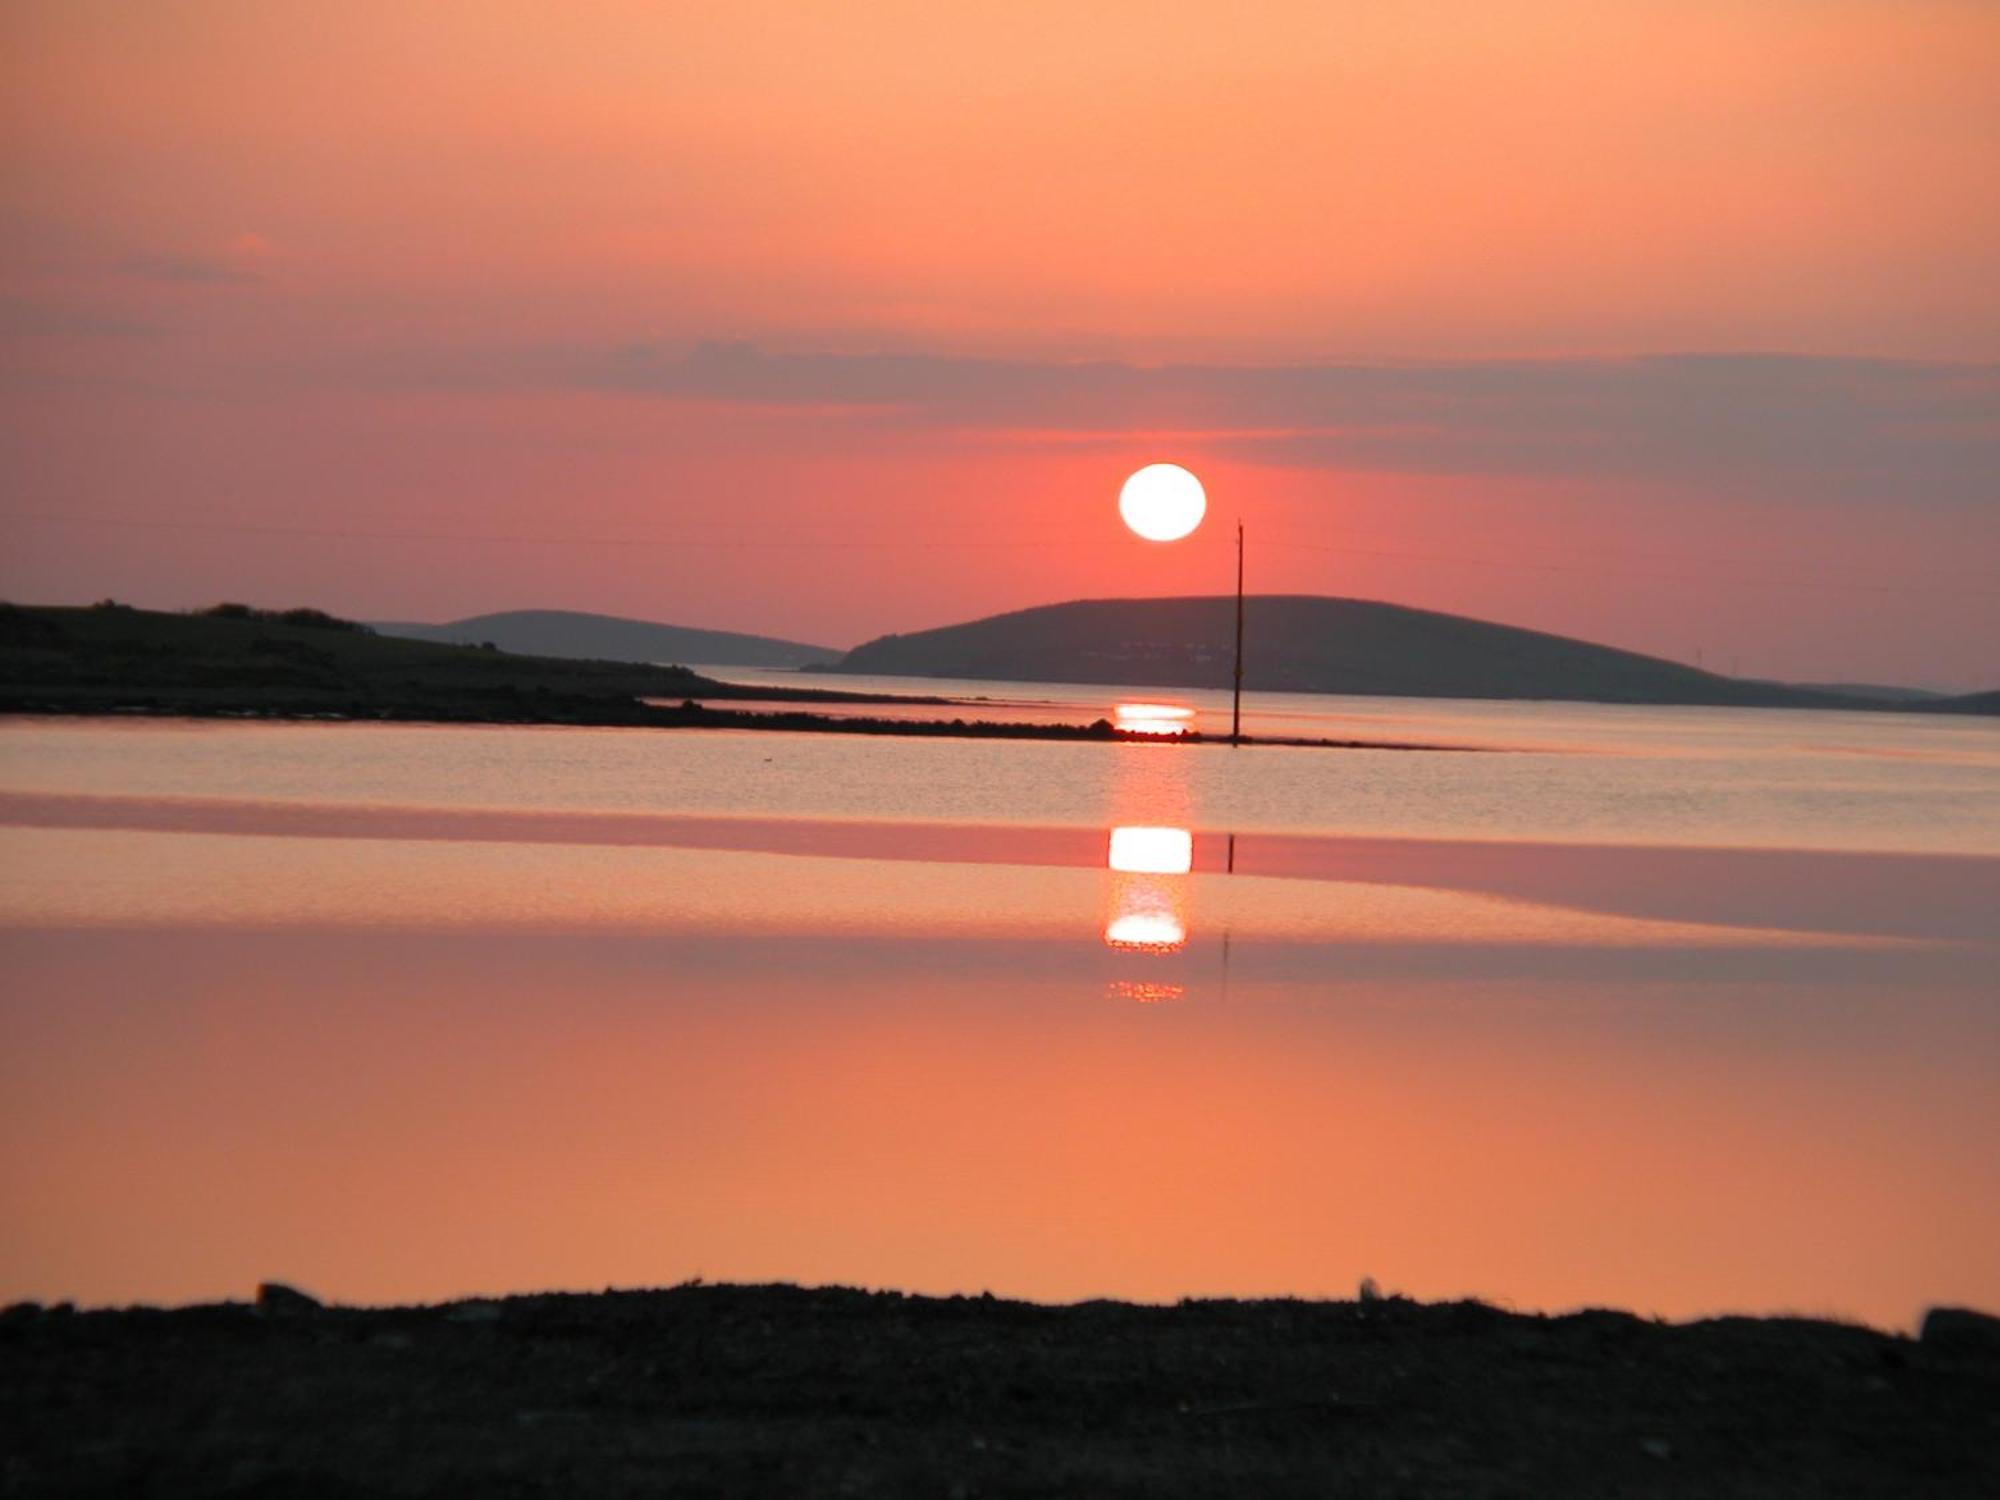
column 1162, row 502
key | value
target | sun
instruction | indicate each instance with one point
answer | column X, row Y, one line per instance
column 1162, row 502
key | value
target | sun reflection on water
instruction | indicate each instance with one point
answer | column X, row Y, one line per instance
column 1142, row 992
column 1147, row 909
column 1149, row 853
column 1151, row 929
column 1153, row 718
column 1152, row 851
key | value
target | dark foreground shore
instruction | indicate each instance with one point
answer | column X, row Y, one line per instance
column 781, row 1391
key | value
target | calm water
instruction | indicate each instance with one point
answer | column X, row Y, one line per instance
column 1681, row 1010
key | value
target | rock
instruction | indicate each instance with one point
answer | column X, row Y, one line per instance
column 276, row 1297
column 1960, row 1328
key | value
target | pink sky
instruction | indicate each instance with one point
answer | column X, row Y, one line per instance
column 1672, row 325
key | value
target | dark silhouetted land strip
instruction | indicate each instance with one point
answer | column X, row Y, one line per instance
column 302, row 664
column 762, row 1391
column 1967, row 703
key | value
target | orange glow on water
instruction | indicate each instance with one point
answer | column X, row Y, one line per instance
column 600, row 1046
column 555, row 1114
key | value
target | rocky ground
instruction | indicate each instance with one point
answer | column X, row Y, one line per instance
column 781, row 1391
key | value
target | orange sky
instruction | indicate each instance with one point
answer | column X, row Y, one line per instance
column 438, row 278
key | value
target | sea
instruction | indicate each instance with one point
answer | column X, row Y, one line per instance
column 1685, row 1011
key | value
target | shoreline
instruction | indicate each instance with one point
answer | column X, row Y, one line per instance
column 748, row 1390
column 592, row 713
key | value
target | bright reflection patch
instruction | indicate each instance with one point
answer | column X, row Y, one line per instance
column 1152, row 718
column 1152, row 851
column 1148, row 893
column 1145, row 929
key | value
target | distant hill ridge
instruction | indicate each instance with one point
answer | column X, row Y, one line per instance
column 1318, row 644
column 574, row 634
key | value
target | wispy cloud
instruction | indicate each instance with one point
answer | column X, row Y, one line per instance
column 241, row 261
column 1838, row 427
column 200, row 270
column 28, row 317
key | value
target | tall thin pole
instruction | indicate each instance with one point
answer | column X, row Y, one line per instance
column 1236, row 709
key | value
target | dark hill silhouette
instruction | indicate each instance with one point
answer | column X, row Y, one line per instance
column 1307, row 643
column 1880, row 691
column 1965, row 703
column 570, row 634
column 234, row 659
